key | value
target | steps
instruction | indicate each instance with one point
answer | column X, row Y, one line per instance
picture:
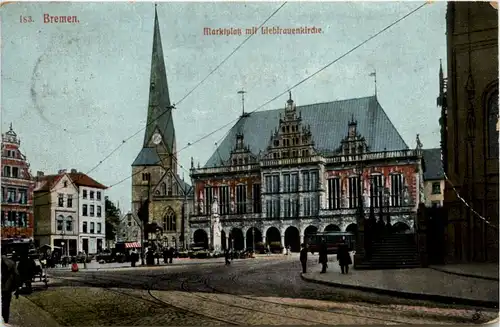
column 393, row 251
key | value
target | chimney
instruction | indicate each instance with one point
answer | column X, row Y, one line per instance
column 61, row 171
column 39, row 173
column 74, row 171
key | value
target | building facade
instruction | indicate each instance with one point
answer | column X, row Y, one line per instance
column 69, row 209
column 156, row 185
column 129, row 229
column 469, row 101
column 434, row 182
column 282, row 174
column 17, row 190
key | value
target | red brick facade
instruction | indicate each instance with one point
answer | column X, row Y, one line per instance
column 17, row 219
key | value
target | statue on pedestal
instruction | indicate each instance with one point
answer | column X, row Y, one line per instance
column 215, row 207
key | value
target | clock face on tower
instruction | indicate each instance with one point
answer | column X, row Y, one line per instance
column 157, row 138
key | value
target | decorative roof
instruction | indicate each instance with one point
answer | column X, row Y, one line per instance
column 47, row 182
column 433, row 166
column 159, row 108
column 10, row 136
column 328, row 123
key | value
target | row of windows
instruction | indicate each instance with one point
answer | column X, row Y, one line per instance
column 91, row 211
column 92, row 228
column 13, row 195
column 291, row 207
column 64, row 224
column 291, row 183
column 12, row 154
column 225, row 205
column 13, row 172
column 14, row 219
column 354, row 192
column 91, row 195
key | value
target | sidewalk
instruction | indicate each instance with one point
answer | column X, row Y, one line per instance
column 419, row 283
column 488, row 271
column 24, row 313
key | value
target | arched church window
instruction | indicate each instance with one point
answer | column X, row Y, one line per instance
column 169, row 221
column 164, row 188
column 492, row 125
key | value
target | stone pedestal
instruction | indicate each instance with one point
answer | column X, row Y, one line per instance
column 216, row 232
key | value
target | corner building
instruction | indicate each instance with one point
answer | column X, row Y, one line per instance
column 154, row 171
column 282, row 174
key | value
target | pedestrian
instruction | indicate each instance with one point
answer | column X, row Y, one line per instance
column 323, row 257
column 303, row 257
column 226, row 256
column 10, row 284
column 84, row 260
column 268, row 250
column 344, row 258
column 171, row 255
column 26, row 269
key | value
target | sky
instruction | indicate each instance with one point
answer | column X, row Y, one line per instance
column 75, row 92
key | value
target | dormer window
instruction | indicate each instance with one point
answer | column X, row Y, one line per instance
column 65, row 184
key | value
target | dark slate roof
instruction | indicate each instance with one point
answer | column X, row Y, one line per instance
column 147, row 157
column 329, row 124
column 433, row 166
column 159, row 111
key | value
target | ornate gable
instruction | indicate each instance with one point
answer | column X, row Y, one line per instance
column 291, row 139
column 241, row 154
column 168, row 186
column 353, row 143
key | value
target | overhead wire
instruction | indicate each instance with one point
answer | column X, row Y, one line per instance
column 280, row 94
column 182, row 99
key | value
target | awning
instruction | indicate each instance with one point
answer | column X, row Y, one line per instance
column 132, row 245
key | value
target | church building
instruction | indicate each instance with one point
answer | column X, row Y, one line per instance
column 282, row 174
column 156, row 185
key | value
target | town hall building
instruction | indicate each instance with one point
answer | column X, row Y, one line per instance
column 282, row 174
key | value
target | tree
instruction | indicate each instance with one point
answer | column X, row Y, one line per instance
column 113, row 215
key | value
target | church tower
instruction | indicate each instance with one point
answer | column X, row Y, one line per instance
column 154, row 171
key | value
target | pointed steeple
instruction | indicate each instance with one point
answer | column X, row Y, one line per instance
column 159, row 107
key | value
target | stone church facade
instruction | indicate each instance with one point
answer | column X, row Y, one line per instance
column 468, row 98
column 282, row 174
column 156, row 184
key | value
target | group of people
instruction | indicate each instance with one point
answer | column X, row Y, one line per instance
column 343, row 257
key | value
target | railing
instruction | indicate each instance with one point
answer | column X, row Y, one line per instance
column 374, row 156
column 224, row 169
column 291, row 161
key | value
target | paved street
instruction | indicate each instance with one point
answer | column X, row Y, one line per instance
column 254, row 291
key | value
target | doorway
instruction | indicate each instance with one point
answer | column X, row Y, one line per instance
column 85, row 245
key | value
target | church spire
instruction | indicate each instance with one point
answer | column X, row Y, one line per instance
column 159, row 107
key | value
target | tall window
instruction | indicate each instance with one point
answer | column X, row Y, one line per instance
column 492, row 126
column 84, row 227
column 315, row 205
column 269, row 208
column 314, row 181
column 99, row 228
column 241, row 199
column 397, row 183
column 295, row 208
column 354, row 189
column 286, row 183
column 6, row 171
column 92, row 195
column 224, row 200
column 287, row 207
column 69, row 202
column 91, row 210
column 84, row 210
column 257, row 207
column 169, row 221
column 307, row 206
column 60, row 223
column 334, row 193
column 276, row 183
column 99, row 213
column 84, row 195
column 98, row 196
column 146, row 177
column 269, row 184
column 376, row 191
column 15, row 172
column 436, row 188
column 69, row 224
column 306, row 181
column 208, row 199
column 92, row 228
column 294, row 182
column 276, row 208
column 22, row 196
column 60, row 200
column 11, row 195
